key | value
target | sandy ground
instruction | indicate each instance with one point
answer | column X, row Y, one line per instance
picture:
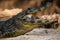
column 38, row 34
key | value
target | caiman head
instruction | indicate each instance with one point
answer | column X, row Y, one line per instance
column 26, row 21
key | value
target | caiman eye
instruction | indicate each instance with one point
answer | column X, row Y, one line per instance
column 24, row 19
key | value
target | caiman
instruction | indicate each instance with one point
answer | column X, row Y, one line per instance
column 18, row 25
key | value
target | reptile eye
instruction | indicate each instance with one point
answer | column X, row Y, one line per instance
column 24, row 19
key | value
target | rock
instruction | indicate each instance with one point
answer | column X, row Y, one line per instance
column 38, row 34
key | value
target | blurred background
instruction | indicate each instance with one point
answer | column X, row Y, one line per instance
column 9, row 4
column 24, row 4
column 16, row 5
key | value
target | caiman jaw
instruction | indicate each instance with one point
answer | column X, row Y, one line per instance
column 43, row 20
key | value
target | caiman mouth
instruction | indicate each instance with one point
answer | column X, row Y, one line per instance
column 27, row 20
column 45, row 20
column 33, row 18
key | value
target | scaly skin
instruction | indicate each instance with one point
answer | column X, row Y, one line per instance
column 14, row 27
